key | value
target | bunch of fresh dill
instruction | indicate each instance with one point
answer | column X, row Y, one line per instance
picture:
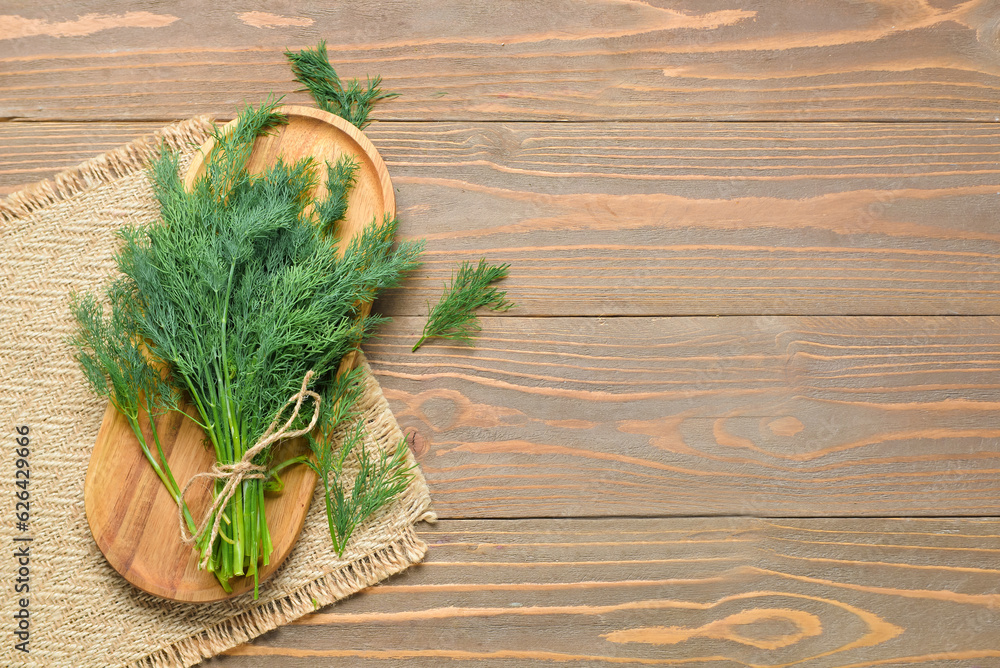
column 239, row 297
column 238, row 292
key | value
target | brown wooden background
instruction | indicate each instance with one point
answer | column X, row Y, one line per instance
column 745, row 412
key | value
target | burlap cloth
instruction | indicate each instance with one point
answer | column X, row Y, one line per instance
column 56, row 237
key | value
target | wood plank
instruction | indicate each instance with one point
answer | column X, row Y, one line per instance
column 30, row 152
column 779, row 416
column 680, row 218
column 679, row 592
column 684, row 219
column 560, row 60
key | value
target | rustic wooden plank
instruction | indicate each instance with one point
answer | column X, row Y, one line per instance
column 683, row 219
column 30, row 152
column 679, row 218
column 561, row 60
column 786, row 416
column 687, row 592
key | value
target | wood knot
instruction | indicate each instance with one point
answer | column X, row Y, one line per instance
column 418, row 445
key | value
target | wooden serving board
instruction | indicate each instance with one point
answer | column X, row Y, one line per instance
column 131, row 515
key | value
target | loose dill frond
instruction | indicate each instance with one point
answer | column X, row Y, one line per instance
column 351, row 101
column 454, row 316
column 378, row 481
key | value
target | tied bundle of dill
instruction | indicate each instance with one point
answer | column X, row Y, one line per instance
column 239, row 297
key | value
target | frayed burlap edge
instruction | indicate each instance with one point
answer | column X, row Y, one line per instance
column 330, row 588
column 105, row 168
column 351, row 578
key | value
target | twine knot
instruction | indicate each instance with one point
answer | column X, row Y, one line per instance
column 234, row 474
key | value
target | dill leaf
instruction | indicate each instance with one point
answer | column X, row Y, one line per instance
column 341, row 177
column 454, row 316
column 378, row 480
column 352, row 101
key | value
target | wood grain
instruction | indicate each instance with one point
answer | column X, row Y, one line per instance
column 561, row 60
column 30, row 152
column 687, row 592
column 792, row 407
column 684, row 218
column 790, row 416
column 131, row 515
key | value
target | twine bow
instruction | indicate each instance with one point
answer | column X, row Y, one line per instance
column 234, row 474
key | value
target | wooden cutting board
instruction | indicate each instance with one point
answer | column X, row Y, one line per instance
column 131, row 515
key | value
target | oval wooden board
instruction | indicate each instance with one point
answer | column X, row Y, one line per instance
column 130, row 513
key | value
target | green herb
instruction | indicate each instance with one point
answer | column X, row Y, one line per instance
column 352, row 102
column 240, row 297
column 117, row 370
column 341, row 177
column 239, row 293
column 454, row 316
column 377, row 481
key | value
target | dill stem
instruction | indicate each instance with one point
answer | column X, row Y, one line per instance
column 137, row 430
column 173, row 487
column 249, row 502
column 221, row 560
column 239, row 528
column 265, row 532
column 419, row 343
column 255, row 554
column 273, row 471
column 175, row 490
column 226, row 389
column 209, row 425
column 184, row 413
column 329, row 519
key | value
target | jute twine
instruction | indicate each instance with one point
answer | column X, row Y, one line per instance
column 57, row 237
column 234, row 474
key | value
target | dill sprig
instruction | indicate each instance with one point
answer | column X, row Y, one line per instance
column 351, row 101
column 454, row 317
column 341, row 177
column 377, row 481
column 236, row 292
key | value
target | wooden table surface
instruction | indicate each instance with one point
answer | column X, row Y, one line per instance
column 745, row 413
